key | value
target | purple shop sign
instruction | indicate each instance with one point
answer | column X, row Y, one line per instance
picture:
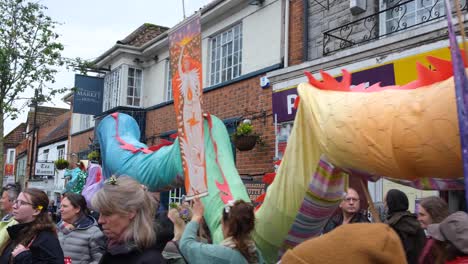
column 283, row 101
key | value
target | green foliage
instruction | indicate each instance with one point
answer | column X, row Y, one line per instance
column 61, row 164
column 94, row 155
column 30, row 54
column 244, row 129
column 30, row 57
column 173, row 205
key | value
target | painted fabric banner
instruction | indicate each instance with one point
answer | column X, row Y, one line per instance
column 185, row 52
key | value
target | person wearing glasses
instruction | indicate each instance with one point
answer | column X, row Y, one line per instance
column 34, row 238
column 9, row 194
column 350, row 212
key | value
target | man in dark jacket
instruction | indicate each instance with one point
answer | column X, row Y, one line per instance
column 405, row 224
column 349, row 212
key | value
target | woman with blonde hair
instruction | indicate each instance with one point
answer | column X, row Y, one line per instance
column 126, row 213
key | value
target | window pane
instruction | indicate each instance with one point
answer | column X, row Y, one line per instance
column 137, row 92
column 138, row 83
column 131, row 72
column 236, row 71
column 229, row 74
column 136, row 102
column 129, row 101
column 225, row 54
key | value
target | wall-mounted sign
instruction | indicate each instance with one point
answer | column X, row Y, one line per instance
column 9, row 169
column 255, row 189
column 283, row 101
column 44, row 169
column 87, row 98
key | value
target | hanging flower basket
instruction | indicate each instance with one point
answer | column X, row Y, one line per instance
column 94, row 155
column 245, row 143
column 61, row 164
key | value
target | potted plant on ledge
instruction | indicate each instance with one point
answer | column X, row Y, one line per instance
column 244, row 138
column 61, row 164
column 94, row 156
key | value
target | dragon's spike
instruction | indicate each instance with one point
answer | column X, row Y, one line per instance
column 314, row 82
column 345, row 83
column 374, row 88
column 329, row 82
column 296, row 102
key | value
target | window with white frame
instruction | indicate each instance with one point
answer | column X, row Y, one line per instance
column 21, row 169
column 61, row 152
column 226, row 55
column 45, row 155
column 134, row 86
column 112, row 89
column 176, row 195
column 85, row 122
column 404, row 14
column 169, row 81
column 11, row 156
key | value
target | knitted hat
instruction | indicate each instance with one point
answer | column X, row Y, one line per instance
column 351, row 243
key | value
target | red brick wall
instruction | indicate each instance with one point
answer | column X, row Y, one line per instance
column 80, row 142
column 244, row 98
column 52, row 124
column 12, row 140
column 24, row 147
column 296, row 29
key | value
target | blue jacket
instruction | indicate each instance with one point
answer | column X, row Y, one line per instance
column 196, row 252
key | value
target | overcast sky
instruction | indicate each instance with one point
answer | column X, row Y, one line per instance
column 89, row 28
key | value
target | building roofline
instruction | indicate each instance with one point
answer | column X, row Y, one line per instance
column 144, row 48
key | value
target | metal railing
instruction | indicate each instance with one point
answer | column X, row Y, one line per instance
column 400, row 15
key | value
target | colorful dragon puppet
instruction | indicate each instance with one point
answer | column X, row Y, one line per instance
column 401, row 132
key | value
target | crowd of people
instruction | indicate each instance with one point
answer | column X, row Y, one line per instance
column 128, row 229
column 431, row 236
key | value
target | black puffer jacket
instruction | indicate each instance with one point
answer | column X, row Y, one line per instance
column 126, row 254
column 337, row 220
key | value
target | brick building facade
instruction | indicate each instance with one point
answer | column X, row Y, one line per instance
column 243, row 99
column 48, row 119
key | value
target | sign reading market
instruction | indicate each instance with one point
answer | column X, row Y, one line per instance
column 87, row 98
column 45, row 169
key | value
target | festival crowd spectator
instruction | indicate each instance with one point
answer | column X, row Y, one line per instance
column 9, row 195
column 78, row 233
column 405, row 224
column 34, row 238
column 238, row 222
column 127, row 213
column 349, row 212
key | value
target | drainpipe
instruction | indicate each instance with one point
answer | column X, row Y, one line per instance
column 305, row 35
column 286, row 35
